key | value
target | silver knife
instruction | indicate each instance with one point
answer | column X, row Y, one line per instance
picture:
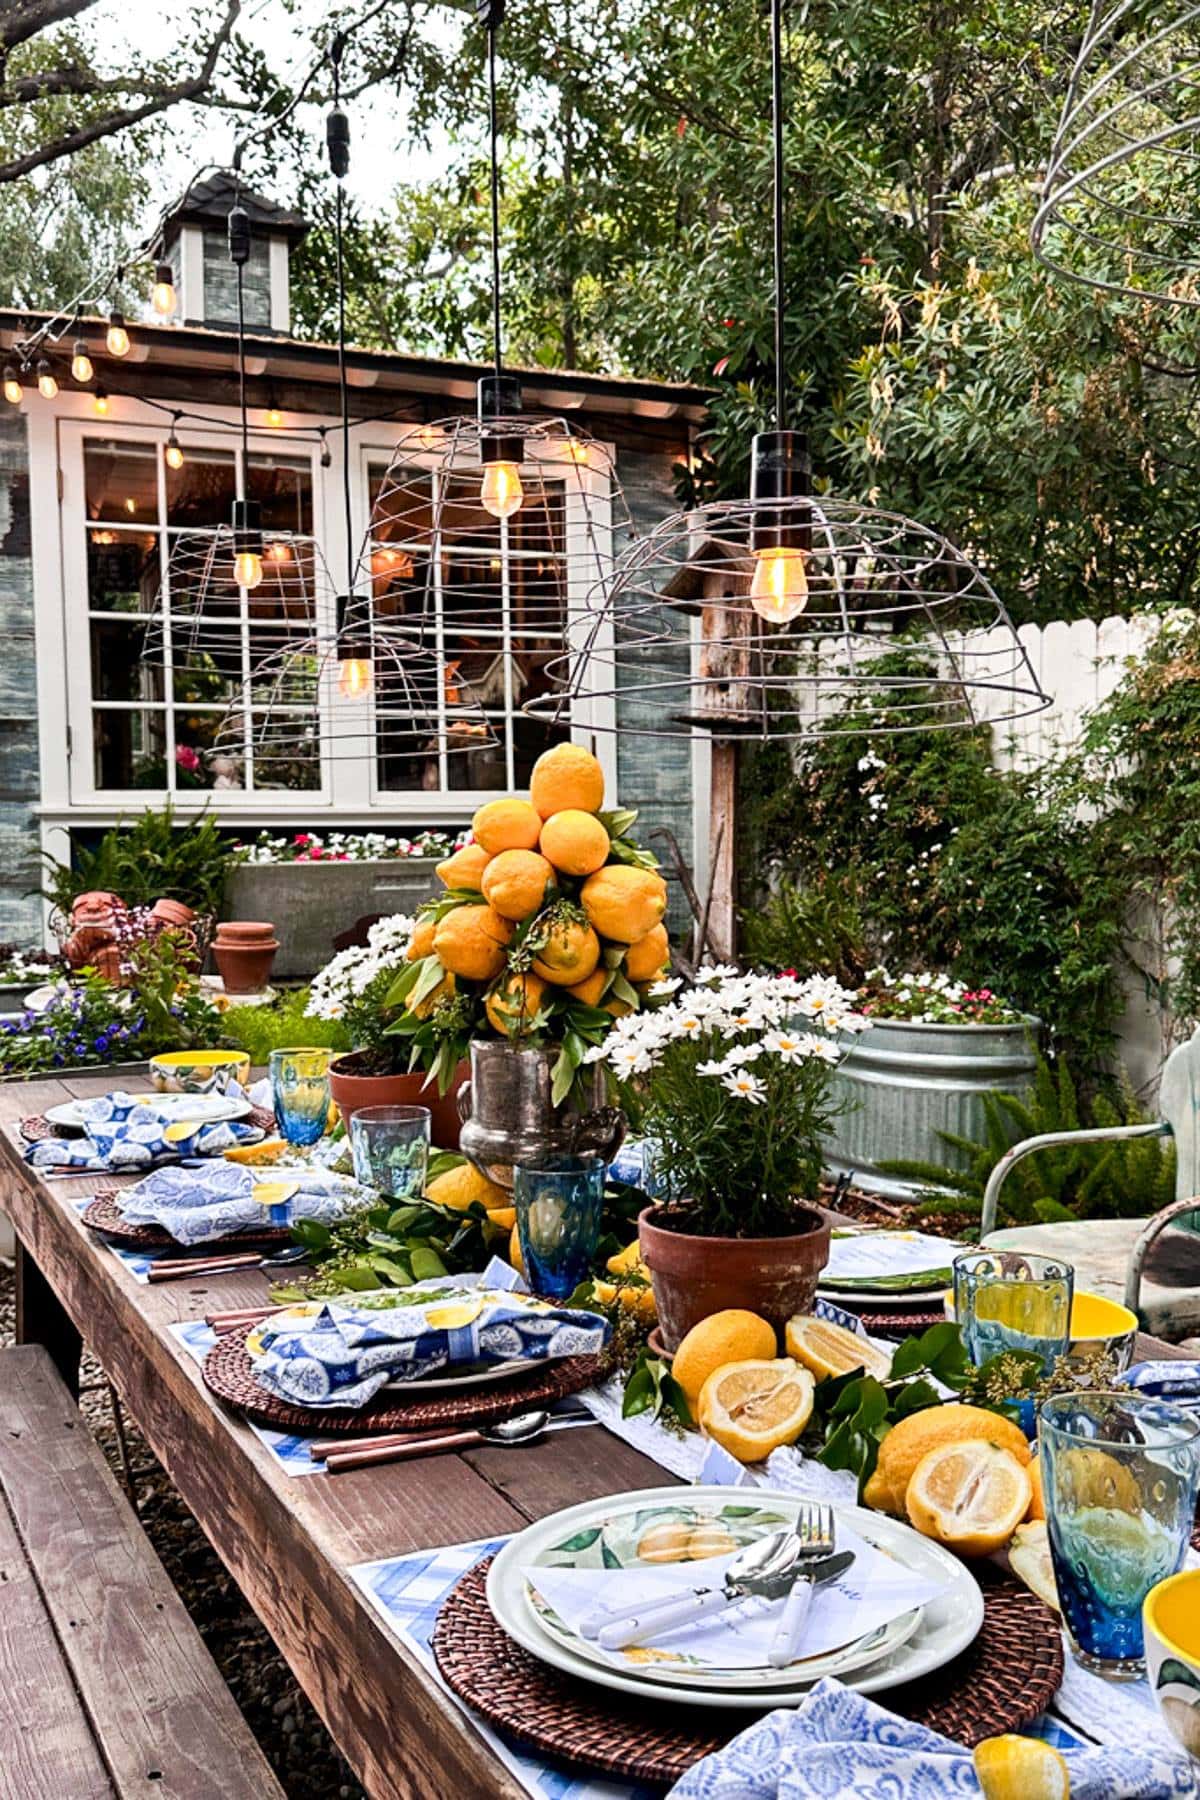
column 798, row 1605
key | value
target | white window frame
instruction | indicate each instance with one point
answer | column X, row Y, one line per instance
column 349, row 790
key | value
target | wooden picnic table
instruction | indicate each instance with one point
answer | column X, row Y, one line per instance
column 289, row 1543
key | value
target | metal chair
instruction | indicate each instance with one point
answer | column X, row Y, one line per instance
column 1105, row 1251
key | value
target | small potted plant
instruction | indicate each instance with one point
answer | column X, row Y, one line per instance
column 354, row 988
column 939, row 1047
column 732, row 1083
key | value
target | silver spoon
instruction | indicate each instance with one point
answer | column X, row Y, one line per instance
column 521, row 1429
column 763, row 1567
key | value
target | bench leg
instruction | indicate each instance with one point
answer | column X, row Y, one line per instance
column 42, row 1319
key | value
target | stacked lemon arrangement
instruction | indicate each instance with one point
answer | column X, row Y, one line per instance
column 549, row 928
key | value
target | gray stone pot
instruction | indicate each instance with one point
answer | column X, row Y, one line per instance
column 311, row 903
column 904, row 1082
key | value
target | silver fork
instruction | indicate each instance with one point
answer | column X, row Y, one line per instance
column 817, row 1535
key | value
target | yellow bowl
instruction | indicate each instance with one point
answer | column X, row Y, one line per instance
column 1171, row 1625
column 199, row 1071
column 1098, row 1324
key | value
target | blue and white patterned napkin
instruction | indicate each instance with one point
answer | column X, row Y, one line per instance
column 1173, row 1380
column 340, row 1355
column 837, row 1742
column 202, row 1201
column 123, row 1132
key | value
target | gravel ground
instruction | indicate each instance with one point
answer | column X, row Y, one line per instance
column 293, row 1739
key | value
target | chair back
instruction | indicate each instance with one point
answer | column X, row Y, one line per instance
column 1179, row 1105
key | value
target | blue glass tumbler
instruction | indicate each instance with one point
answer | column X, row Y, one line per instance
column 300, row 1091
column 559, row 1202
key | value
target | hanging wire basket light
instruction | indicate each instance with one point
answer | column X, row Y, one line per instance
column 683, row 642
column 1120, row 205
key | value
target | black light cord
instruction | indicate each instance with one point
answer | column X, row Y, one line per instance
column 338, row 143
column 778, row 176
column 492, row 11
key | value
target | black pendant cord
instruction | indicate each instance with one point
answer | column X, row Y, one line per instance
column 241, row 312
column 778, row 178
column 341, row 165
column 494, row 14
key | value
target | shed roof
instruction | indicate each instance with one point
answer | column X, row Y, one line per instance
column 208, row 202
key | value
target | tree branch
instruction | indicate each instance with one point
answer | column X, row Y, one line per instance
column 24, row 21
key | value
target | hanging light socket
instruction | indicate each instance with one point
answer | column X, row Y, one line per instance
column 239, row 234
column 780, row 470
column 499, row 397
column 337, row 142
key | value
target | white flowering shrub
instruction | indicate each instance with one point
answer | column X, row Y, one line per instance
column 732, row 1077
column 928, row 999
column 354, row 984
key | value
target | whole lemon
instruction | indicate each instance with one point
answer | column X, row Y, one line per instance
column 567, row 777
column 515, row 883
column 506, row 825
column 912, row 1438
column 444, row 990
column 589, row 991
column 513, row 1003
column 471, row 942
column 624, row 903
column 569, row 955
column 644, row 959
column 459, row 1186
column 465, row 868
column 421, row 942
column 575, row 842
column 514, row 1250
column 734, row 1335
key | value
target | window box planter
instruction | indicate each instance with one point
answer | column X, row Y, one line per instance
column 903, row 1083
column 311, row 903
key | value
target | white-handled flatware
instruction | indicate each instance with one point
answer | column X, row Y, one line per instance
column 798, row 1605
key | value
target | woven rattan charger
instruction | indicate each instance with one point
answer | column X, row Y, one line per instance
column 104, row 1216
column 1000, row 1682
column 36, row 1127
column 229, row 1373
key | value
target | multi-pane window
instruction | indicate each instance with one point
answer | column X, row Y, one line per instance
column 177, row 647
column 489, row 599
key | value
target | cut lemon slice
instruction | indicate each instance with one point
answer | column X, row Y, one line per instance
column 970, row 1496
column 751, row 1408
column 273, row 1193
column 1029, row 1560
column 269, row 1151
column 1021, row 1768
column 829, row 1349
column 453, row 1314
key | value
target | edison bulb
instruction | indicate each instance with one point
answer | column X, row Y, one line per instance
column 247, row 568
column 354, row 677
column 274, row 416
column 174, row 453
column 116, row 337
column 46, row 380
column 162, row 295
column 100, row 402
column 779, row 590
column 12, row 386
column 501, row 493
column 81, row 363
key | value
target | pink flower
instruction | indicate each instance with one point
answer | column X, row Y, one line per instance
column 301, row 838
column 186, row 758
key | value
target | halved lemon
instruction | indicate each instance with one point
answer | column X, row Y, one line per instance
column 829, row 1349
column 1021, row 1768
column 752, row 1408
column 452, row 1314
column 969, row 1496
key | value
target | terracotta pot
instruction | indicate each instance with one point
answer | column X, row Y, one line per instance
column 352, row 1090
column 83, row 944
column 175, row 914
column 243, row 951
column 694, row 1276
column 107, row 962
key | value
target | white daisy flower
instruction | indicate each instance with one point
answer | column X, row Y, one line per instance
column 745, row 1085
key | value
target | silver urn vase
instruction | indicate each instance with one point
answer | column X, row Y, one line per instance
column 508, row 1117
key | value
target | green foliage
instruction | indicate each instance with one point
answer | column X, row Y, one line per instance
column 150, row 858
column 88, row 1021
column 814, row 927
column 853, row 1413
column 177, row 1015
column 388, row 1246
column 1124, row 1179
column 260, row 1029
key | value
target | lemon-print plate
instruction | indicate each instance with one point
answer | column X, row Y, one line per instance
column 690, row 1525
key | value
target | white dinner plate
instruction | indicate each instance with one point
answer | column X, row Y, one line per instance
column 66, row 1113
column 871, row 1300
column 946, row 1625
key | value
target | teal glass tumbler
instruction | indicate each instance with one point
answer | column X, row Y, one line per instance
column 390, row 1149
column 559, row 1202
column 1005, row 1300
column 1119, row 1473
column 300, row 1091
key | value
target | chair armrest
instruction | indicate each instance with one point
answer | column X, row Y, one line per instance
column 1050, row 1140
column 1151, row 1229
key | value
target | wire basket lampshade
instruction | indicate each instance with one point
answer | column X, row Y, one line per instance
column 686, row 639
column 263, row 674
column 494, row 583
column 1120, row 206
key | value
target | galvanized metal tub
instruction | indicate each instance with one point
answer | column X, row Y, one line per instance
column 309, row 903
column 903, row 1083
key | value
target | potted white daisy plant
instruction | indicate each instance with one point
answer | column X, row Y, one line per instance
column 731, row 1079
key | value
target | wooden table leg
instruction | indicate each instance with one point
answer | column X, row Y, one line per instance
column 42, row 1319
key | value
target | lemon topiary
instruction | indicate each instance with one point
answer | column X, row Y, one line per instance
column 647, row 958
column 421, row 942
column 569, row 955
column 444, row 990
column 734, row 1335
column 516, row 883
column 471, row 941
column 567, row 777
column 506, row 825
column 624, row 903
column 575, row 842
column 590, row 991
column 465, row 868
column 514, row 1002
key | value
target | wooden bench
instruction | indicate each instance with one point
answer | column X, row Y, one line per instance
column 106, row 1688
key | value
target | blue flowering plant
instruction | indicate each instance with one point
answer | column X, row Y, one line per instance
column 85, row 1021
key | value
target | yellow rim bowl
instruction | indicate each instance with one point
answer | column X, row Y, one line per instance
column 198, row 1071
column 1095, row 1319
column 1172, row 1612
